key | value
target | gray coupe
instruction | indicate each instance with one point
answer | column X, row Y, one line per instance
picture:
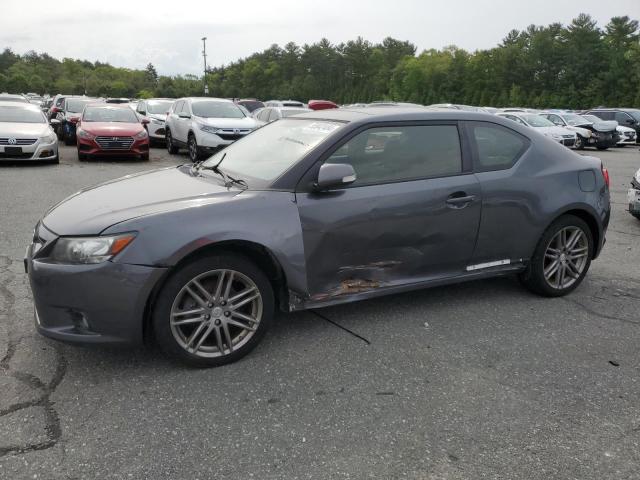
column 314, row 210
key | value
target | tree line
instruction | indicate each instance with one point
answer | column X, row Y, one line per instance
column 579, row 65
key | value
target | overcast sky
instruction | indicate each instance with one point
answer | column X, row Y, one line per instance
column 131, row 33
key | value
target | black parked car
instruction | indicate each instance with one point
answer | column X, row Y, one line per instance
column 627, row 117
column 317, row 209
column 67, row 115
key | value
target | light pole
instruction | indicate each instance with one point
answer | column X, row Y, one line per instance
column 204, row 56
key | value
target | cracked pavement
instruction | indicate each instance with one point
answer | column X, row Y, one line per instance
column 479, row 380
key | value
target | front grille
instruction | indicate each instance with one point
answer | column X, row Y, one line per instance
column 233, row 134
column 630, row 134
column 114, row 143
column 226, row 136
column 15, row 156
column 18, row 141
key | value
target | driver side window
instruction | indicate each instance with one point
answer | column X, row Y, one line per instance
column 392, row 154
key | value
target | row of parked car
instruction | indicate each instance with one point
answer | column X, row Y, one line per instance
column 204, row 125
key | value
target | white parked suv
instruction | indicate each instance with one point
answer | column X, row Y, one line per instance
column 204, row 125
column 155, row 110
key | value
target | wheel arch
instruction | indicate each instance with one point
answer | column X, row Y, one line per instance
column 257, row 253
column 590, row 218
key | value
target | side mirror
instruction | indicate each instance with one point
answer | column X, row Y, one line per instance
column 145, row 121
column 142, row 113
column 334, row 175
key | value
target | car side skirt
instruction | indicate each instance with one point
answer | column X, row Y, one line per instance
column 363, row 291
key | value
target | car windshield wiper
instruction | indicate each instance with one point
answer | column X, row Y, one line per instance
column 228, row 179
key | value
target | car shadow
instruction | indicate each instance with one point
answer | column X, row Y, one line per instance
column 292, row 332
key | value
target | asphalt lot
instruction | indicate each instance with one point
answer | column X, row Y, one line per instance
column 481, row 380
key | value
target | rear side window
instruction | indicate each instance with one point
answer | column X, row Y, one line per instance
column 392, row 154
column 273, row 116
column 497, row 147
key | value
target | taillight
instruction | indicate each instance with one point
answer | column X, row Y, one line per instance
column 605, row 174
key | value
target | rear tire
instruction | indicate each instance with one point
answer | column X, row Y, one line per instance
column 171, row 148
column 572, row 262
column 178, row 314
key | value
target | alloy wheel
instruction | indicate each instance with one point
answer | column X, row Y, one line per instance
column 566, row 257
column 193, row 149
column 216, row 313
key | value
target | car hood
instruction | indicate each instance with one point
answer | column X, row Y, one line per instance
column 605, row 126
column 111, row 128
column 553, row 130
column 92, row 210
column 622, row 129
column 157, row 116
column 22, row 130
column 245, row 122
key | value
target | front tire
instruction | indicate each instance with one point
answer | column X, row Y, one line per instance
column 171, row 148
column 194, row 154
column 561, row 258
column 579, row 145
column 213, row 310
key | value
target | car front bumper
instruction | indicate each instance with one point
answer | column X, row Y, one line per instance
column 36, row 152
column 90, row 304
column 89, row 146
column 156, row 131
column 624, row 140
column 207, row 140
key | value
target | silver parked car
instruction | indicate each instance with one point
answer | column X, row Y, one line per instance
column 317, row 209
column 25, row 133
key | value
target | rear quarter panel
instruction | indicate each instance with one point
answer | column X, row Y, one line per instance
column 520, row 203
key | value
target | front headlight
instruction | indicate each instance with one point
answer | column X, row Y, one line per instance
column 85, row 134
column 142, row 134
column 209, row 129
column 89, row 250
column 157, row 122
column 51, row 138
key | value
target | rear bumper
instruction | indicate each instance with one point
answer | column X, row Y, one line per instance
column 91, row 304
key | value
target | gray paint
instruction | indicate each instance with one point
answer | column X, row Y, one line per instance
column 333, row 247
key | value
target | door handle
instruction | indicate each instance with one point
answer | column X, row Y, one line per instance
column 460, row 200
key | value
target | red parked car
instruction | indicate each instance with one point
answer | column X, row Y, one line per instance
column 321, row 104
column 111, row 130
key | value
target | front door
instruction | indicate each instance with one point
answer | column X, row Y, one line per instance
column 411, row 216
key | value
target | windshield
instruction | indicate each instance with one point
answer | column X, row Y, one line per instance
column 209, row 109
column 109, row 114
column 159, row 106
column 537, row 121
column 77, row 105
column 592, row 118
column 269, row 151
column 19, row 114
column 575, row 120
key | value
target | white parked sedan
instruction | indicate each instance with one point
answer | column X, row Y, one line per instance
column 560, row 134
column 25, row 134
column 155, row 110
